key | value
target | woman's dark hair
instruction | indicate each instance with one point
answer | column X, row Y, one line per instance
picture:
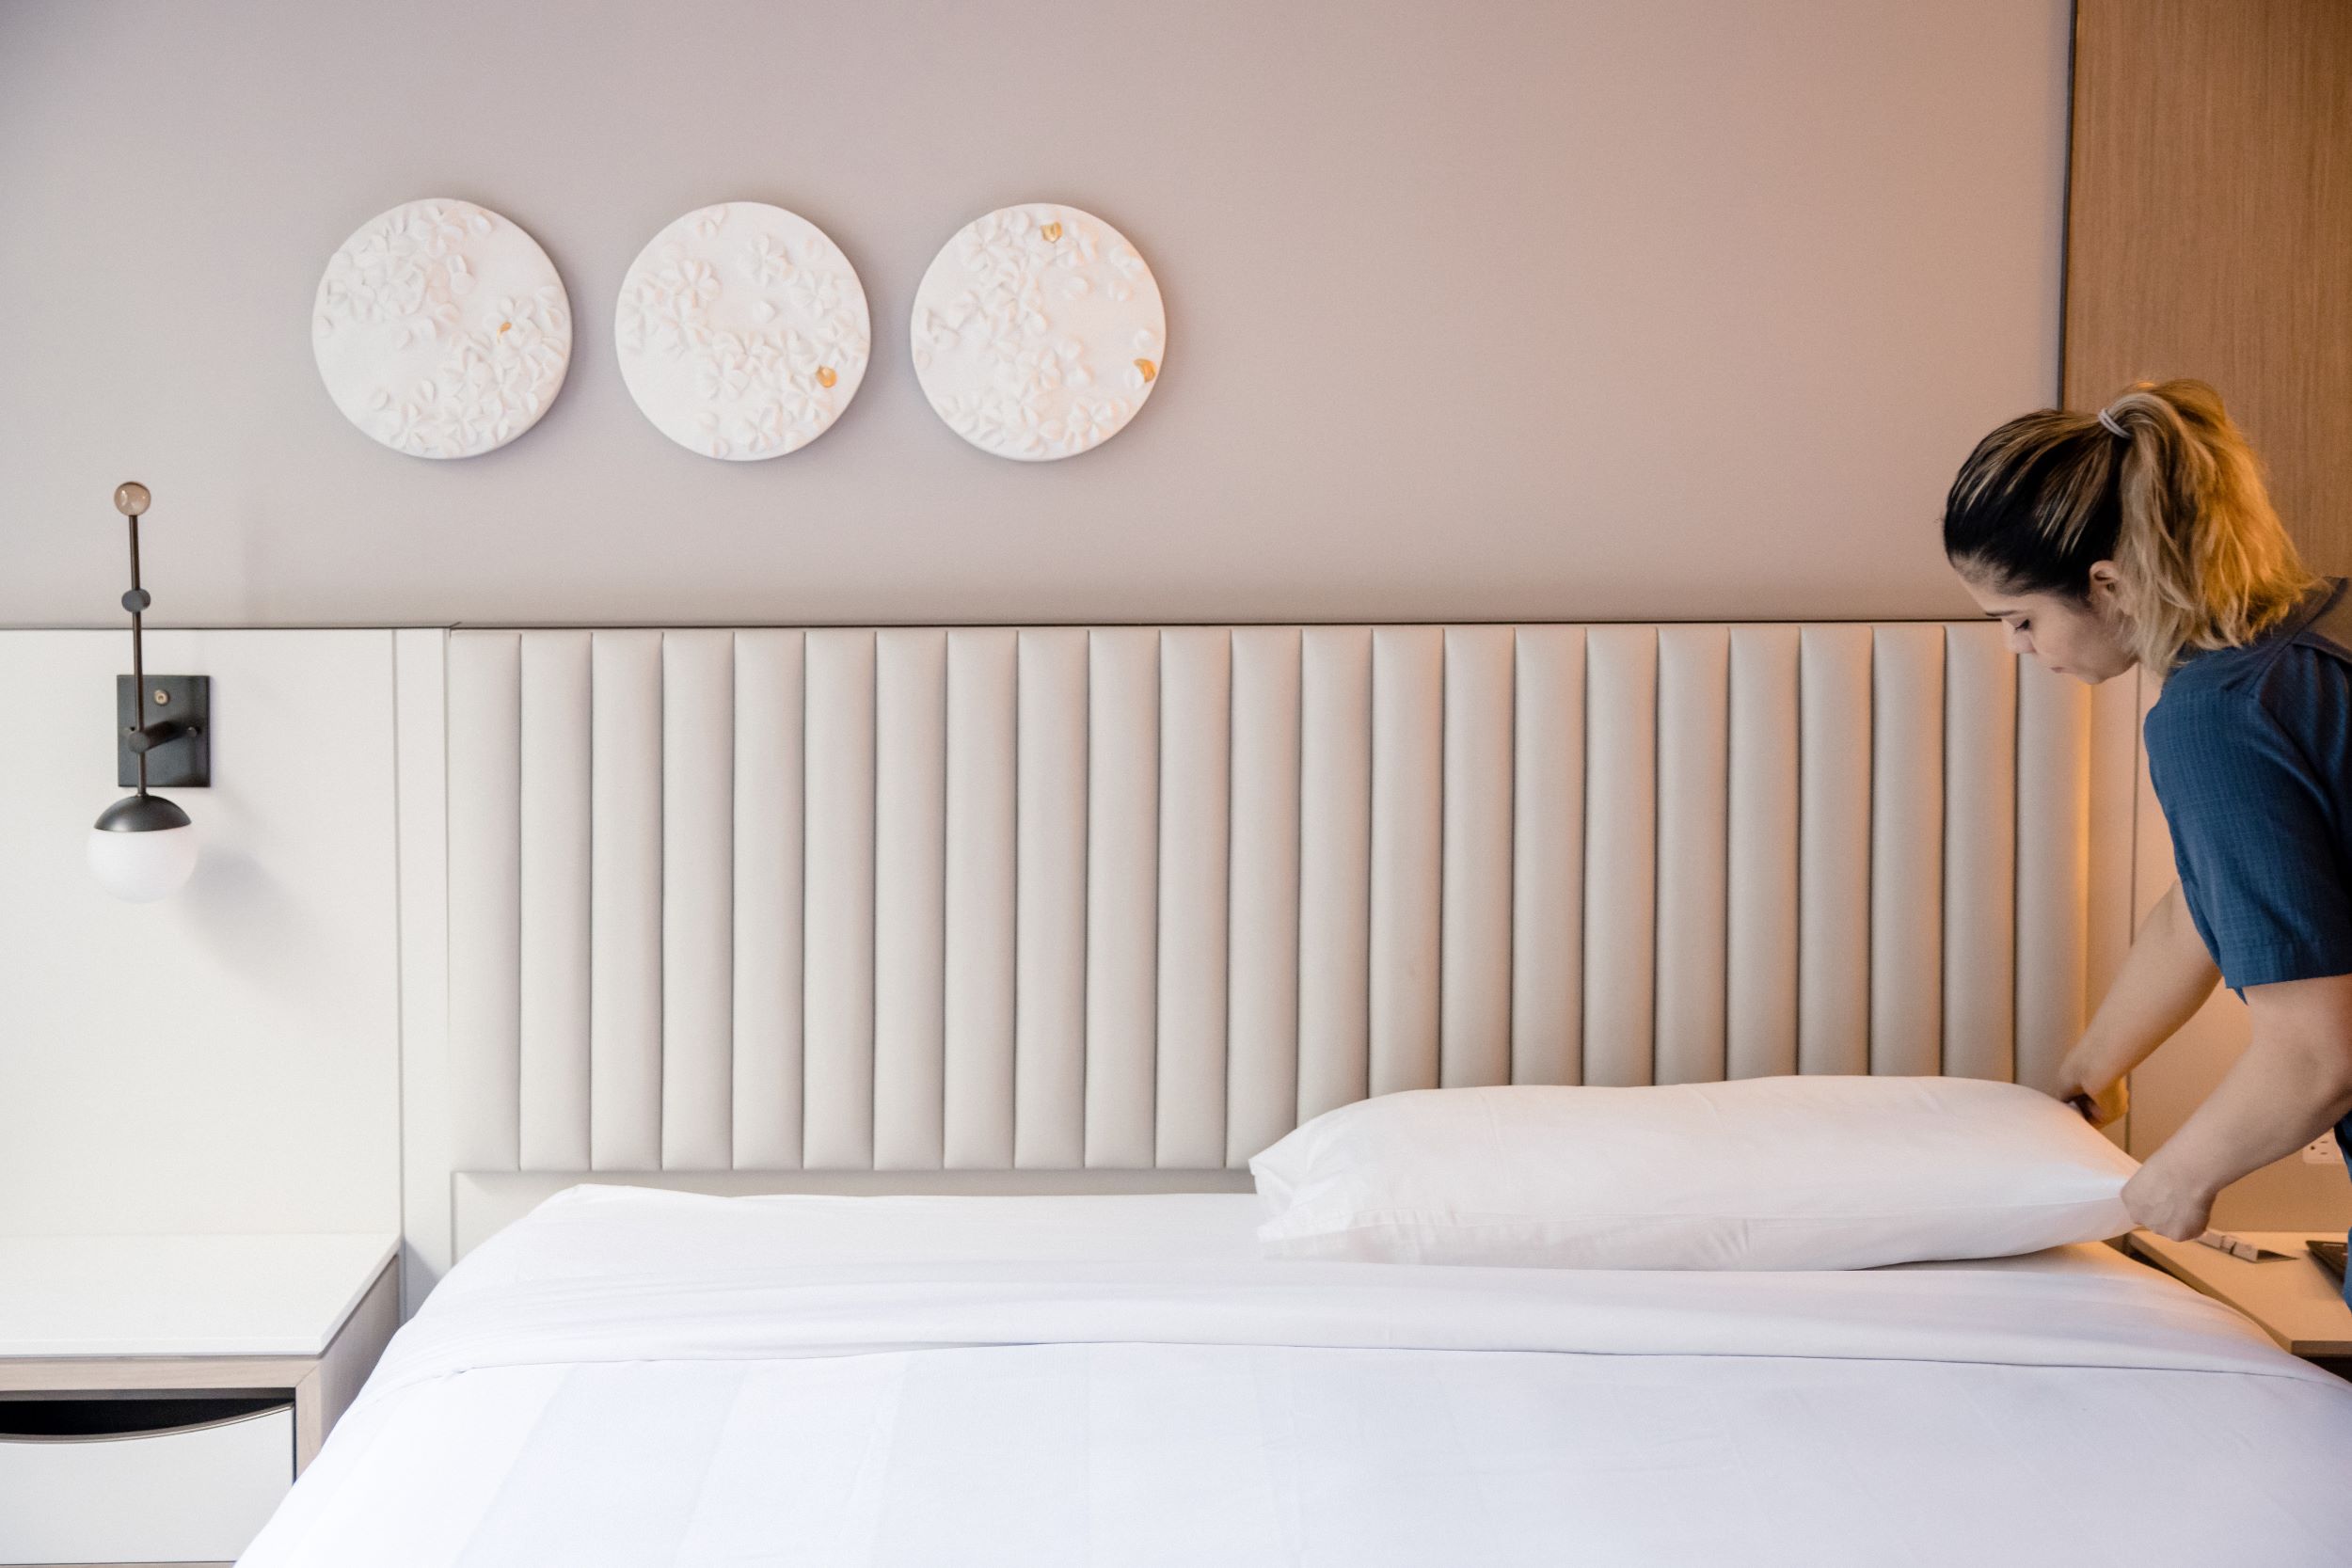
column 2161, row 484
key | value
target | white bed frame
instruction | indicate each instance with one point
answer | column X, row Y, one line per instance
column 1111, row 909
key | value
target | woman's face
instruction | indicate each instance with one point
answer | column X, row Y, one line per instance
column 2069, row 636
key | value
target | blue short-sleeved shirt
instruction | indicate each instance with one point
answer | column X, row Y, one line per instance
column 2250, row 752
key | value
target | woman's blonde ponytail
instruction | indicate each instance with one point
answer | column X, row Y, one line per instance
column 2205, row 561
column 2162, row 483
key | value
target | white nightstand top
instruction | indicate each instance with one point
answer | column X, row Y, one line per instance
column 2294, row 1299
column 183, row 1295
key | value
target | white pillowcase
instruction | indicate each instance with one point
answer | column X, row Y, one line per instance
column 1762, row 1173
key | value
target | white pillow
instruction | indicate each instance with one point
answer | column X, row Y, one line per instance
column 1763, row 1173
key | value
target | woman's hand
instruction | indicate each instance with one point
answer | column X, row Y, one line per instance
column 2099, row 1103
column 2158, row 1203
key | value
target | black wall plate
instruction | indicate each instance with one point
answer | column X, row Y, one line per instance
column 184, row 761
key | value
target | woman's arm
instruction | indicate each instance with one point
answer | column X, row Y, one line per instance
column 2165, row 979
column 2294, row 1081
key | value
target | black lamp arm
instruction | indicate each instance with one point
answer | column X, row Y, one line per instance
column 141, row 741
column 162, row 733
column 183, row 751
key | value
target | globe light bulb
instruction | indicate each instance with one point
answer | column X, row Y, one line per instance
column 142, row 849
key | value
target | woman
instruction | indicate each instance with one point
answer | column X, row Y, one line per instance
column 2143, row 536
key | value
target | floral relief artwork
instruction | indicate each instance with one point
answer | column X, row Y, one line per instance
column 1038, row 332
column 742, row 332
column 441, row 329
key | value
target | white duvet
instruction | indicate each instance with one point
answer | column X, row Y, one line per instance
column 639, row 1378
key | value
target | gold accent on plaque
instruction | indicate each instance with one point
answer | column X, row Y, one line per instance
column 825, row 376
column 1150, row 372
column 1052, row 231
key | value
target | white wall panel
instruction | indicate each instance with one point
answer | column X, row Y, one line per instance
column 228, row 1059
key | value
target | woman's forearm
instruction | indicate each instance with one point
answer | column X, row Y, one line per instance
column 2292, row 1083
column 2164, row 981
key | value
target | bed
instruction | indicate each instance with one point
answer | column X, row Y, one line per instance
column 856, row 1039
column 631, row 1377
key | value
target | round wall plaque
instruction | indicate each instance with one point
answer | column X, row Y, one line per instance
column 441, row 329
column 742, row 332
column 1038, row 332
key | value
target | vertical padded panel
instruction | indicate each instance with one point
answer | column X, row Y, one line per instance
column 1694, row 841
column 978, row 1090
column 1475, row 935
column 1547, row 847
column 1052, row 899
column 767, row 900
column 2053, row 887
column 554, row 950
column 1907, row 850
column 1334, row 867
column 1760, row 887
column 1620, row 851
column 1262, row 1036
column 1050, row 987
column 697, row 899
column 1408, row 836
column 910, row 898
column 1122, row 892
column 625, row 933
column 1834, row 851
column 485, row 898
column 839, row 1064
column 1980, row 852
column 1196, row 728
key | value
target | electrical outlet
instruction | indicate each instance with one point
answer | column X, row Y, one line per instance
column 2321, row 1150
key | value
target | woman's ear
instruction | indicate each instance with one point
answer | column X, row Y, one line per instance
column 2104, row 583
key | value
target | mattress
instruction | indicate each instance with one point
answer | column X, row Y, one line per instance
column 632, row 1378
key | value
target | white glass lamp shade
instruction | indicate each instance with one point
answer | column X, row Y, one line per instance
column 143, row 849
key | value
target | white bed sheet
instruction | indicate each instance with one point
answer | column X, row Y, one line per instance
column 636, row 1378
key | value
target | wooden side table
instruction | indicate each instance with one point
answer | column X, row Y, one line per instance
column 159, row 1394
column 2294, row 1299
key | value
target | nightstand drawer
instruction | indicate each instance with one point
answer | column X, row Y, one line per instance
column 190, row 1494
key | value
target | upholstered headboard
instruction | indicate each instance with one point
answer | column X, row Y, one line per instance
column 1125, row 898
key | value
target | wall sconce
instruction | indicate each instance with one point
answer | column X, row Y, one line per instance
column 144, row 846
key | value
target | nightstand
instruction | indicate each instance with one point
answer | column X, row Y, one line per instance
column 158, row 1394
column 2295, row 1299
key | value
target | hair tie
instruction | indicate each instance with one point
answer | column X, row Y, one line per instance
column 2113, row 425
